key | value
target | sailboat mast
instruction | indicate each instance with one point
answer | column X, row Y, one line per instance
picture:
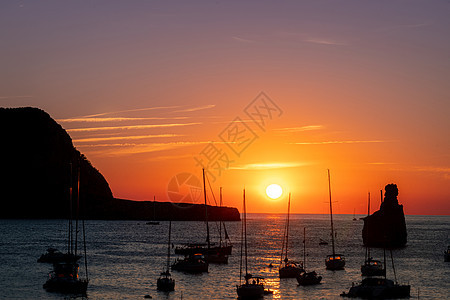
column 220, row 223
column 245, row 236
column 168, row 247
column 331, row 213
column 206, row 212
column 154, row 207
column 287, row 228
column 368, row 214
column 304, row 248
column 69, row 240
column 242, row 247
column 78, row 209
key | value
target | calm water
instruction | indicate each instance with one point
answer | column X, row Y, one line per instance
column 126, row 257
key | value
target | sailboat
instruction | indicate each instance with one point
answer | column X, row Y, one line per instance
column 334, row 261
column 65, row 278
column 212, row 253
column 307, row 278
column 379, row 287
column 153, row 221
column 253, row 287
column 371, row 267
column 354, row 217
column 165, row 282
column 288, row 269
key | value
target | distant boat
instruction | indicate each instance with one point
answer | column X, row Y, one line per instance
column 253, row 287
column 334, row 261
column 153, row 221
column 371, row 267
column 288, row 269
column 65, row 278
column 307, row 278
column 323, row 242
column 354, row 217
column 165, row 282
column 379, row 287
column 447, row 254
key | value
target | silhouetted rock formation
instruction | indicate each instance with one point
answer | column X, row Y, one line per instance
column 37, row 157
column 119, row 209
column 386, row 227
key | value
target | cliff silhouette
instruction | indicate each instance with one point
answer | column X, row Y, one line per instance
column 386, row 227
column 40, row 164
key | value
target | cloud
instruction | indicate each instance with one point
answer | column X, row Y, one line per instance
column 269, row 166
column 239, row 39
column 195, row 108
column 118, row 119
column 131, row 110
column 130, row 149
column 336, row 142
column 135, row 137
column 130, row 127
column 323, row 42
column 301, row 128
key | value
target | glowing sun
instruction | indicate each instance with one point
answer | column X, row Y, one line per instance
column 274, row 191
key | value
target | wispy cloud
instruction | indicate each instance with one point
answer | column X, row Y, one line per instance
column 131, row 127
column 301, row 128
column 269, row 166
column 131, row 110
column 118, row 119
column 118, row 149
column 239, row 39
column 335, row 142
column 324, row 42
column 133, row 137
column 195, row 108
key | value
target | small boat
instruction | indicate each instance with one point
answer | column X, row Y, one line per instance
column 447, row 254
column 323, row 242
column 165, row 282
column 334, row 261
column 288, row 269
column 64, row 279
column 253, row 286
column 307, row 278
column 378, row 288
column 354, row 217
column 371, row 267
column 195, row 263
column 55, row 256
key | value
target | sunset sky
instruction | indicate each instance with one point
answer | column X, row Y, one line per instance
column 270, row 91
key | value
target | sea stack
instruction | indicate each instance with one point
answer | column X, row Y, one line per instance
column 386, row 227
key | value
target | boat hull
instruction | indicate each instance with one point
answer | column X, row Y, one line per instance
column 290, row 271
column 165, row 284
column 378, row 288
column 250, row 291
column 310, row 278
column 66, row 286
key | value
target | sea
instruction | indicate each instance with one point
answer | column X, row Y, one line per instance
column 125, row 258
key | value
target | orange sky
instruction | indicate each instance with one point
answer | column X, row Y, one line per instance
column 360, row 88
